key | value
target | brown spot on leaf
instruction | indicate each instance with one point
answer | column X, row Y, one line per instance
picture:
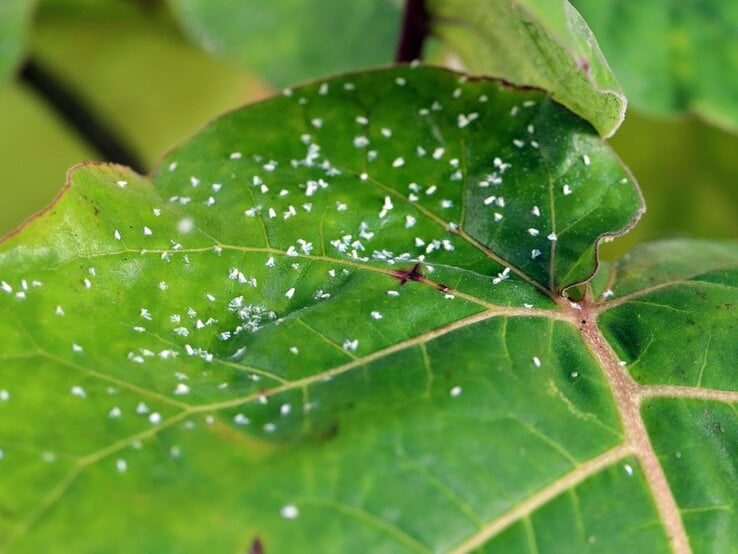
column 584, row 64
column 256, row 547
column 327, row 433
column 405, row 275
column 415, row 274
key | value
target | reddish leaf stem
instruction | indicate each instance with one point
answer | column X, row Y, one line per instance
column 415, row 27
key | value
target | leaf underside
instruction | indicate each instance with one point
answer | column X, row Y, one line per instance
column 310, row 327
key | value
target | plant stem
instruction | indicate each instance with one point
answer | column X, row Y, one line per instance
column 415, row 26
column 80, row 117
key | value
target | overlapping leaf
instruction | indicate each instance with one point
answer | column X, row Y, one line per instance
column 331, row 322
column 538, row 43
column 672, row 56
column 290, row 41
column 677, row 292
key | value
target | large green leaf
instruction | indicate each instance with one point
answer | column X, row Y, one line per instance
column 672, row 319
column 672, row 56
column 294, row 40
column 534, row 42
column 301, row 335
column 14, row 20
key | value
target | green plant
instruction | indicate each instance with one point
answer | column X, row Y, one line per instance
column 369, row 315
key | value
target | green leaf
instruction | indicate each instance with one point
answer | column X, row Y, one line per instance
column 289, row 339
column 671, row 56
column 15, row 16
column 290, row 41
column 697, row 277
column 672, row 320
column 537, row 43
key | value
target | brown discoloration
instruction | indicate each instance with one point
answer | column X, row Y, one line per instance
column 415, row 274
column 256, row 547
column 405, row 275
column 327, row 433
column 93, row 204
column 584, row 64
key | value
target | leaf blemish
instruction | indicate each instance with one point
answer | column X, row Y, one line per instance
column 405, row 275
column 256, row 547
column 414, row 274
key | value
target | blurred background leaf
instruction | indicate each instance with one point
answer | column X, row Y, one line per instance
column 688, row 172
column 130, row 61
column 672, row 56
column 132, row 66
column 15, row 17
column 36, row 149
column 290, row 41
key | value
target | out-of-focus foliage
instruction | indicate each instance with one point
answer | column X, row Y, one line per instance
column 149, row 84
column 36, row 149
column 14, row 18
column 131, row 63
column 132, row 66
column 290, row 41
column 672, row 56
column 688, row 172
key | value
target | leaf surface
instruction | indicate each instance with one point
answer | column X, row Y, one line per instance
column 672, row 56
column 291, row 41
column 679, row 292
column 303, row 321
column 536, row 43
